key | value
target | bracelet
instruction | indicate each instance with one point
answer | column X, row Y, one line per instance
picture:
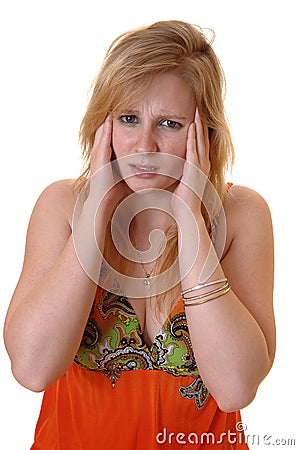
column 207, row 294
column 203, row 285
column 213, row 297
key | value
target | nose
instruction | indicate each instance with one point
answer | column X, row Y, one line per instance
column 146, row 141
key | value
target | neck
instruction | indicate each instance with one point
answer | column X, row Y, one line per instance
column 150, row 211
column 144, row 223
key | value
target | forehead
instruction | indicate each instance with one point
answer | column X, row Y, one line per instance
column 171, row 89
column 166, row 91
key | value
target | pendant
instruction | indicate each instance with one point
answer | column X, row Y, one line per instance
column 146, row 282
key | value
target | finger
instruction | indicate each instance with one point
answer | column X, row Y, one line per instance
column 202, row 141
column 199, row 135
column 98, row 135
column 101, row 150
column 103, row 133
column 191, row 153
column 107, row 132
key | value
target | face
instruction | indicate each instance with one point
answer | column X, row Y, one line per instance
column 150, row 130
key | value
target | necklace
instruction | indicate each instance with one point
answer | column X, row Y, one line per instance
column 147, row 280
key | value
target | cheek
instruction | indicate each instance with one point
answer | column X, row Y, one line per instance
column 177, row 146
column 122, row 141
column 117, row 142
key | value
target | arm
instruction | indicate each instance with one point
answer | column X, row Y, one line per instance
column 53, row 297
column 233, row 336
column 52, row 301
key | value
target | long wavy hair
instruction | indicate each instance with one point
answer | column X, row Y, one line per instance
column 131, row 63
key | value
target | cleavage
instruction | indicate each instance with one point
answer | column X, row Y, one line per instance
column 149, row 324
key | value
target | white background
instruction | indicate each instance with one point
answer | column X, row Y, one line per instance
column 50, row 52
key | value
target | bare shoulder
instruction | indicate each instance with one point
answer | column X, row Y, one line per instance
column 245, row 208
column 50, row 223
column 62, row 190
column 59, row 198
column 247, row 224
column 242, row 198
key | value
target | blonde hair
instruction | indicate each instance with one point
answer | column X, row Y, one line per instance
column 131, row 63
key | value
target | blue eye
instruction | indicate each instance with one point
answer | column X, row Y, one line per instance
column 128, row 119
column 167, row 123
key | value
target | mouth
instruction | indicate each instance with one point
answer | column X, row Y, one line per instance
column 145, row 171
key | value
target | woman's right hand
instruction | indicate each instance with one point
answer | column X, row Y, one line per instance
column 105, row 186
column 101, row 151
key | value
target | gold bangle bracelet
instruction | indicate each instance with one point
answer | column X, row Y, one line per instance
column 207, row 299
column 207, row 294
column 203, row 285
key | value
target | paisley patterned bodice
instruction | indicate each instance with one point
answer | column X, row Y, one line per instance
column 113, row 341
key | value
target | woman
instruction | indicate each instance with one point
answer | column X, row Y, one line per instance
column 141, row 339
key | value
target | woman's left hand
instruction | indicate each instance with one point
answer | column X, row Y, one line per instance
column 196, row 169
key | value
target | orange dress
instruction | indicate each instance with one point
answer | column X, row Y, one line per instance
column 120, row 394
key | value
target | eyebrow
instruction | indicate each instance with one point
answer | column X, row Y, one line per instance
column 166, row 114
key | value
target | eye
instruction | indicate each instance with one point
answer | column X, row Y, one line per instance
column 167, row 123
column 128, row 119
